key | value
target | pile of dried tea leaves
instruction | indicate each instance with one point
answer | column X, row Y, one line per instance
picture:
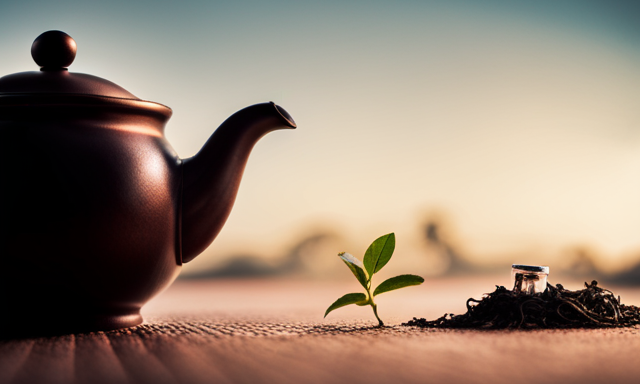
column 556, row 307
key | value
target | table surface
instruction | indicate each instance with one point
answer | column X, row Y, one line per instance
column 272, row 331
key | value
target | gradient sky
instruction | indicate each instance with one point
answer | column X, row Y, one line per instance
column 520, row 120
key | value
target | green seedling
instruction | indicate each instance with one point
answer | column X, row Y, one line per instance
column 377, row 256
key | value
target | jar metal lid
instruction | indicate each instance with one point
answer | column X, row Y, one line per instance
column 531, row 268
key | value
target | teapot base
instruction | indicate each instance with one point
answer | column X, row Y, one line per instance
column 41, row 324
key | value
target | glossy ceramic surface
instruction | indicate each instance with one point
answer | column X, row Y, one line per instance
column 97, row 212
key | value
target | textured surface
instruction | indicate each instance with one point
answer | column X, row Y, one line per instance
column 260, row 332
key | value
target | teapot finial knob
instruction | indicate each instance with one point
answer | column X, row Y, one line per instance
column 53, row 50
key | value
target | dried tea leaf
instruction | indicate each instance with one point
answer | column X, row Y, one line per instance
column 556, row 307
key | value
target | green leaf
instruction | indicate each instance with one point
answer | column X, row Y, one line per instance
column 355, row 266
column 379, row 253
column 397, row 283
column 349, row 298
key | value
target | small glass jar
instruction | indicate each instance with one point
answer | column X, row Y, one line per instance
column 529, row 279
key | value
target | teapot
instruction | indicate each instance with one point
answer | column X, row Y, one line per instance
column 97, row 211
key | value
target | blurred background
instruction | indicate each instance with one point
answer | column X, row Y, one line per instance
column 481, row 133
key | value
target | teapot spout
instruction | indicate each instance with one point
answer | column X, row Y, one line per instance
column 211, row 178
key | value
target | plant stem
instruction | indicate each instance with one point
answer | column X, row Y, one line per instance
column 373, row 305
column 375, row 312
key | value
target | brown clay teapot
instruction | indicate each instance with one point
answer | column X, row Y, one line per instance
column 97, row 212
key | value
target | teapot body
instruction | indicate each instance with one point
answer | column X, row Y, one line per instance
column 89, row 212
column 97, row 212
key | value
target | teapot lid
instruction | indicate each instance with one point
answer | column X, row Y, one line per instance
column 54, row 51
